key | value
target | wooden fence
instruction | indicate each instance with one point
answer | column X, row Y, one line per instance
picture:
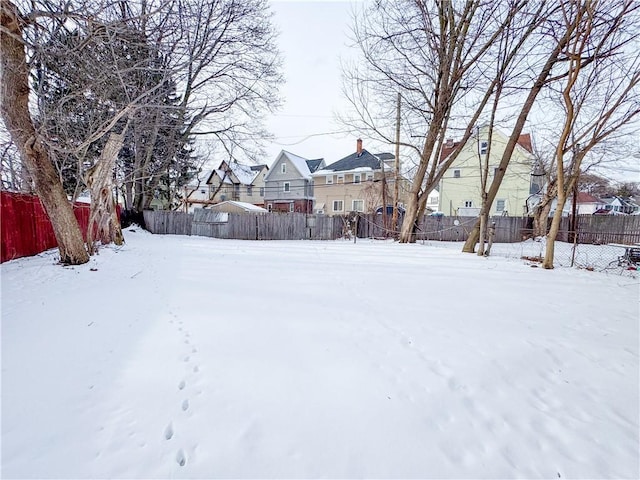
column 25, row 228
column 246, row 226
column 298, row 226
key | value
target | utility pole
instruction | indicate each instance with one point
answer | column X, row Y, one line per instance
column 394, row 218
column 384, row 198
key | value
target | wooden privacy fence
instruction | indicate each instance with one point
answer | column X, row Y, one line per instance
column 298, row 226
column 25, row 227
column 246, row 226
column 604, row 229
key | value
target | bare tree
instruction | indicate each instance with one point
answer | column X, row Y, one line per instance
column 14, row 102
column 598, row 90
column 437, row 53
column 14, row 176
column 148, row 76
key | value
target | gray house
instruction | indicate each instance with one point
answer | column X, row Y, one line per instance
column 289, row 185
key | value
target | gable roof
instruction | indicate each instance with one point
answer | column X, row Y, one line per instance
column 247, row 207
column 236, row 173
column 584, row 197
column 314, row 164
column 299, row 163
column 364, row 160
column 524, row 141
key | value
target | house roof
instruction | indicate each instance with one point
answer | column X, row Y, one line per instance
column 249, row 207
column 244, row 173
column 314, row 164
column 524, row 141
column 258, row 168
column 584, row 197
column 237, row 172
column 299, row 163
column 354, row 161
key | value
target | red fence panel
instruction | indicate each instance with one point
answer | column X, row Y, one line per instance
column 25, row 228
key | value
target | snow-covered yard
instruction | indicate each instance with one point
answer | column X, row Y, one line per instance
column 192, row 357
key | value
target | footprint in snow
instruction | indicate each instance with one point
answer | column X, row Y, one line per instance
column 185, row 405
column 181, row 458
column 187, row 358
column 181, row 385
column 168, row 432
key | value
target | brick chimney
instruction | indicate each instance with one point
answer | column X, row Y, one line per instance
column 359, row 147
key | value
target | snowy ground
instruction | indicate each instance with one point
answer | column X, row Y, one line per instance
column 192, row 357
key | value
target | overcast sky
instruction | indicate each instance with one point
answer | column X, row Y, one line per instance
column 314, row 36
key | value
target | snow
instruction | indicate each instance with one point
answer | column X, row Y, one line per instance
column 300, row 163
column 249, row 207
column 243, row 173
column 241, row 359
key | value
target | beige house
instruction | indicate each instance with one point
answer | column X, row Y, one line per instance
column 354, row 183
column 460, row 188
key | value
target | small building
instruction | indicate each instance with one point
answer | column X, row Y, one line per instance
column 232, row 206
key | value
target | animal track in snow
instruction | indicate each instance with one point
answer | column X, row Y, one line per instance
column 181, row 458
column 181, row 385
column 168, row 432
column 185, row 405
column 194, row 350
column 187, row 358
column 196, row 369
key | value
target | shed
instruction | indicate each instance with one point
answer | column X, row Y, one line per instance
column 232, row 206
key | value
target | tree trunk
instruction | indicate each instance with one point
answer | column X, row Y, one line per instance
column 482, row 234
column 541, row 214
column 408, row 229
column 553, row 232
column 14, row 101
column 103, row 217
column 541, row 220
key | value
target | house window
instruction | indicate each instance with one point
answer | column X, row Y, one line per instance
column 356, row 178
column 262, row 191
column 340, row 178
column 337, row 205
column 500, row 205
column 283, row 167
column 291, row 207
column 203, row 191
column 287, row 187
column 456, row 174
column 369, row 177
column 358, row 206
column 468, row 203
column 249, row 190
column 329, row 179
column 484, row 147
